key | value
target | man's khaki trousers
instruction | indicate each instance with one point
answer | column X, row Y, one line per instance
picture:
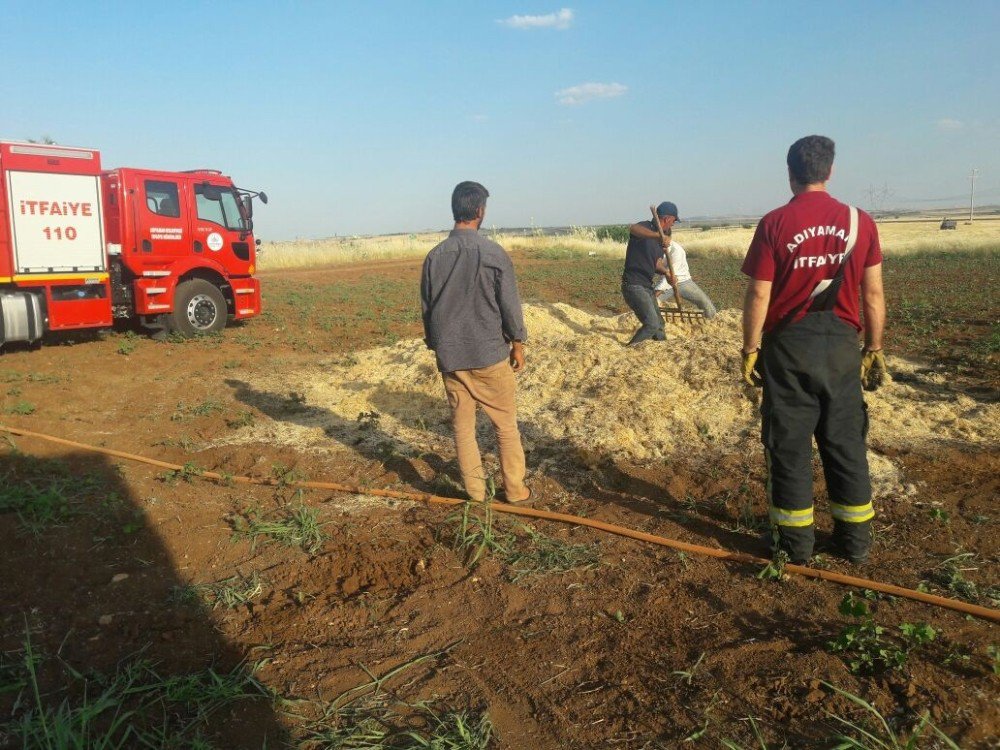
column 492, row 388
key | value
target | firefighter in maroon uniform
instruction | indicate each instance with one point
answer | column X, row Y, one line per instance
column 801, row 321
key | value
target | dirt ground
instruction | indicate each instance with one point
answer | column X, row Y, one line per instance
column 649, row 648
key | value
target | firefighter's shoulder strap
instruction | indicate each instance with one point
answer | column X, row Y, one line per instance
column 824, row 296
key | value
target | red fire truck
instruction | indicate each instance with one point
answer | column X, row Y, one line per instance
column 81, row 247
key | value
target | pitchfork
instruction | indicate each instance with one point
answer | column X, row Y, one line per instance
column 674, row 314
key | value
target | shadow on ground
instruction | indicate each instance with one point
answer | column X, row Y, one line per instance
column 89, row 597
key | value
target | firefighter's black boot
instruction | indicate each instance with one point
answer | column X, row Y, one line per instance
column 852, row 540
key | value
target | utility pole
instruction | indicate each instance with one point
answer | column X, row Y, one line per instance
column 972, row 193
column 877, row 197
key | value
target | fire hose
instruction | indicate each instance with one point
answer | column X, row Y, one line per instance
column 985, row 613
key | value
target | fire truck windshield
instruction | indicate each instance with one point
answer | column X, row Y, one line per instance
column 219, row 206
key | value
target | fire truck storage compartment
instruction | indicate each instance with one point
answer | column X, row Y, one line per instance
column 21, row 317
column 78, row 306
column 56, row 222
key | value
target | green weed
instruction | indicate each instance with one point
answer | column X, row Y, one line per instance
column 295, row 527
column 774, row 570
column 186, row 473
column 941, row 516
column 128, row 343
column 687, row 675
column 476, row 533
column 868, row 647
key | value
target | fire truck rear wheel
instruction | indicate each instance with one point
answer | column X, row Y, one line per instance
column 199, row 308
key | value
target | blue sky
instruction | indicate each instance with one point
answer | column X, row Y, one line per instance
column 359, row 118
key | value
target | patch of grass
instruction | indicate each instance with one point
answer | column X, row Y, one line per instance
column 132, row 708
column 950, row 575
column 861, row 736
column 229, row 593
column 537, row 554
column 369, row 420
column 758, row 736
column 204, row 409
column 37, row 505
column 23, row 408
column 242, row 419
column 184, row 442
column 45, row 493
column 285, row 476
column 476, row 533
column 298, row 526
column 367, row 717
column 186, row 473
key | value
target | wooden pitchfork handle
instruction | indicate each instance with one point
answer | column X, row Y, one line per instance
column 670, row 264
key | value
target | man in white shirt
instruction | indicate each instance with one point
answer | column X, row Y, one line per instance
column 686, row 287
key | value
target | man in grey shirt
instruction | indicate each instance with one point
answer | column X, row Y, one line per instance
column 473, row 322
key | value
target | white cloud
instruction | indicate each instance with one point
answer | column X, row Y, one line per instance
column 560, row 20
column 480, row 118
column 950, row 125
column 586, row 92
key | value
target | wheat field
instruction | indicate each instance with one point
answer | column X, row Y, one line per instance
column 898, row 238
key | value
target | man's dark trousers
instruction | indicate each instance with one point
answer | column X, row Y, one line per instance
column 812, row 387
column 642, row 300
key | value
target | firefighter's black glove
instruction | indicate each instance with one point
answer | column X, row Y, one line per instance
column 873, row 369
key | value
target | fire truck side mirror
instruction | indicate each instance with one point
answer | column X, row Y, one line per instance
column 263, row 197
column 247, row 206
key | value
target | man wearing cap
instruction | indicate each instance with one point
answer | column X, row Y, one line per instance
column 474, row 323
column 681, row 279
column 643, row 260
column 806, row 263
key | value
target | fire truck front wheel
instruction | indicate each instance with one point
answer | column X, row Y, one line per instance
column 199, row 308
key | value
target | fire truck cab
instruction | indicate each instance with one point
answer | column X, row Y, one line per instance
column 81, row 247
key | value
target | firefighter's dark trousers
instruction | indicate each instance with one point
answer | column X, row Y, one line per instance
column 812, row 387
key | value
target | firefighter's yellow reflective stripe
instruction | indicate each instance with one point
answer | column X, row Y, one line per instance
column 853, row 513
column 92, row 278
column 783, row 517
